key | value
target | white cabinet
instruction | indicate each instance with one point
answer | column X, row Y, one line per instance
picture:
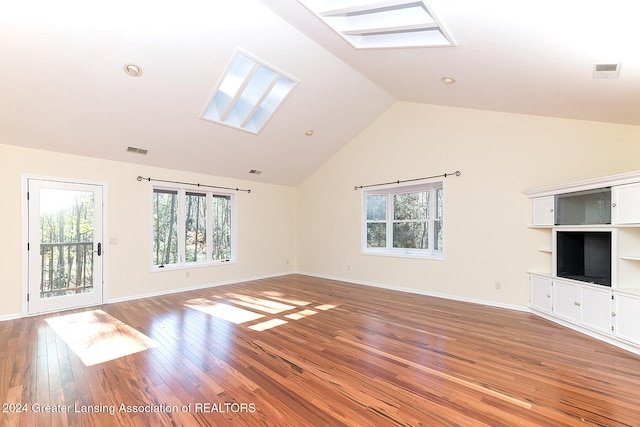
column 566, row 300
column 626, row 204
column 541, row 293
column 595, row 308
column 598, row 293
column 543, row 214
column 627, row 317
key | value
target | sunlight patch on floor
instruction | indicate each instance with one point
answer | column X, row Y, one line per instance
column 325, row 307
column 267, row 325
column 223, row 311
column 300, row 314
column 96, row 337
column 279, row 296
column 268, row 306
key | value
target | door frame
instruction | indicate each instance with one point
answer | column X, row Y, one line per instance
column 25, row 234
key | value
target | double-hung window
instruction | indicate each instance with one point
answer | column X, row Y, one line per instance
column 191, row 226
column 404, row 220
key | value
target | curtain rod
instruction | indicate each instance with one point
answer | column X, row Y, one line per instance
column 141, row 178
column 444, row 175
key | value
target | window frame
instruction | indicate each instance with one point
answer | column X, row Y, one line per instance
column 182, row 191
column 431, row 186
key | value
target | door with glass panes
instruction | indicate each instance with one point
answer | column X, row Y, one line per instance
column 65, row 245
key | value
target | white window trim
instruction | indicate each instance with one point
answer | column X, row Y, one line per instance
column 182, row 189
column 391, row 189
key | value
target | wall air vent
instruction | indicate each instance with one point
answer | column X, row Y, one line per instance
column 248, row 95
column 255, row 172
column 370, row 24
column 606, row 71
column 136, row 150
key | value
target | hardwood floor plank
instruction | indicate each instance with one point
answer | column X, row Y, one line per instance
column 339, row 355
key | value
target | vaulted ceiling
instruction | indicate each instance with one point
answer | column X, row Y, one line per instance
column 63, row 86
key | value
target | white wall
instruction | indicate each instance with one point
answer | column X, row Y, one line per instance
column 266, row 225
column 487, row 240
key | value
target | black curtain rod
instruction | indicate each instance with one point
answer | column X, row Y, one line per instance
column 141, row 178
column 444, row 175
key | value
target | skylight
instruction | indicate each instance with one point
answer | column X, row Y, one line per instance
column 248, row 95
column 381, row 23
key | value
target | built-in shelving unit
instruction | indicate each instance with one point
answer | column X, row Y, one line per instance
column 592, row 282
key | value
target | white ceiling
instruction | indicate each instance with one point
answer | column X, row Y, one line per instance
column 63, row 88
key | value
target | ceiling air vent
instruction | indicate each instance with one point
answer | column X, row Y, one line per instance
column 606, row 71
column 136, row 150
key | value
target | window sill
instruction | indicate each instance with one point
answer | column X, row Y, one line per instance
column 437, row 256
column 184, row 266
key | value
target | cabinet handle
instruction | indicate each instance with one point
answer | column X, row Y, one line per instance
column 613, row 314
column 548, row 295
column 576, row 303
column 550, row 210
column 613, row 205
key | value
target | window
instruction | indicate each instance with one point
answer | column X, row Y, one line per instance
column 404, row 220
column 192, row 227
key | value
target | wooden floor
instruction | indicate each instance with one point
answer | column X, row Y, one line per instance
column 347, row 355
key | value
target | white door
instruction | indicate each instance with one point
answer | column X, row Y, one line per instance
column 596, row 308
column 541, row 293
column 543, row 211
column 566, row 300
column 65, row 245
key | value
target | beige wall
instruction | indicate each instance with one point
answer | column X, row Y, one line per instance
column 316, row 227
column 266, row 225
column 487, row 239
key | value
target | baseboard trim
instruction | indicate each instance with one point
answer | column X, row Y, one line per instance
column 193, row 288
column 421, row 292
column 11, row 317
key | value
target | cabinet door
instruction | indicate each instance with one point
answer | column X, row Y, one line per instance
column 543, row 213
column 595, row 308
column 566, row 300
column 541, row 293
column 626, row 317
column 626, row 204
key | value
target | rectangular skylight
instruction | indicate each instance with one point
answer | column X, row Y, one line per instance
column 381, row 23
column 248, row 95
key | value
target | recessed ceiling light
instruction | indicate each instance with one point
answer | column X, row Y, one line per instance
column 309, row 132
column 448, row 80
column 133, row 70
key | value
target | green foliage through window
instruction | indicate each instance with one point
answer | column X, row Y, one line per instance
column 405, row 219
column 198, row 232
